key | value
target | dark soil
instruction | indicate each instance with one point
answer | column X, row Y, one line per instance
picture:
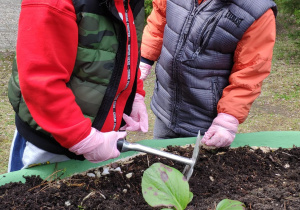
column 260, row 180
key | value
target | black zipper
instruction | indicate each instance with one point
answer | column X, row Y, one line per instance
column 128, row 62
column 187, row 25
column 116, row 76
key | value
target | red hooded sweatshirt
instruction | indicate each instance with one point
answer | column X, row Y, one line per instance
column 46, row 52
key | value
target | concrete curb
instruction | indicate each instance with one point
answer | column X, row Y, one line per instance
column 9, row 15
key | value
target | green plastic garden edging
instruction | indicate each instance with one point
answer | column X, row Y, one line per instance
column 273, row 139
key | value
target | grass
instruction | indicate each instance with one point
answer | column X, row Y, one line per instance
column 6, row 113
column 276, row 109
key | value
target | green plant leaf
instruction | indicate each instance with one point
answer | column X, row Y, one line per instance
column 164, row 186
column 227, row 204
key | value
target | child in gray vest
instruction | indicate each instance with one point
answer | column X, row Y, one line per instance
column 212, row 57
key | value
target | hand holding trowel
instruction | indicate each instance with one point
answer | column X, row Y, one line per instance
column 124, row 146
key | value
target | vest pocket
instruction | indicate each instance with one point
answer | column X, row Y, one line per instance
column 216, row 95
column 206, row 33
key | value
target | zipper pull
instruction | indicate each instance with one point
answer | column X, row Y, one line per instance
column 184, row 37
column 196, row 53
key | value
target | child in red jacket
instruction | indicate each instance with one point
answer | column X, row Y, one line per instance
column 76, row 81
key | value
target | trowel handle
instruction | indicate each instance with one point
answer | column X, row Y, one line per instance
column 124, row 146
column 120, row 144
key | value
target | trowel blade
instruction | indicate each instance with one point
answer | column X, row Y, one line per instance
column 189, row 169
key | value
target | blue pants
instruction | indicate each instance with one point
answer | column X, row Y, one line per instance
column 16, row 153
column 24, row 154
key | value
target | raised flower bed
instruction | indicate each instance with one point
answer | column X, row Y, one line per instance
column 262, row 179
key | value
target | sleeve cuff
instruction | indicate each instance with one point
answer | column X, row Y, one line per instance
column 147, row 61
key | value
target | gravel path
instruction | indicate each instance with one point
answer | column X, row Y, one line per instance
column 9, row 15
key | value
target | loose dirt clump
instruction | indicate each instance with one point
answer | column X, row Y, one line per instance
column 260, row 179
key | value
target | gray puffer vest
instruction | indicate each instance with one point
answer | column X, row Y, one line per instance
column 197, row 57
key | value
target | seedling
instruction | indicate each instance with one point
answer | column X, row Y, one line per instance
column 227, row 204
column 165, row 187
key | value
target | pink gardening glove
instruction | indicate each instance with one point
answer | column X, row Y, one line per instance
column 145, row 70
column 222, row 131
column 138, row 119
column 99, row 146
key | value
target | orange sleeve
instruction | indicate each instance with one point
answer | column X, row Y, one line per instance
column 252, row 64
column 154, row 30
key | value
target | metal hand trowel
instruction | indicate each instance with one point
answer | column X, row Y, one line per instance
column 124, row 146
